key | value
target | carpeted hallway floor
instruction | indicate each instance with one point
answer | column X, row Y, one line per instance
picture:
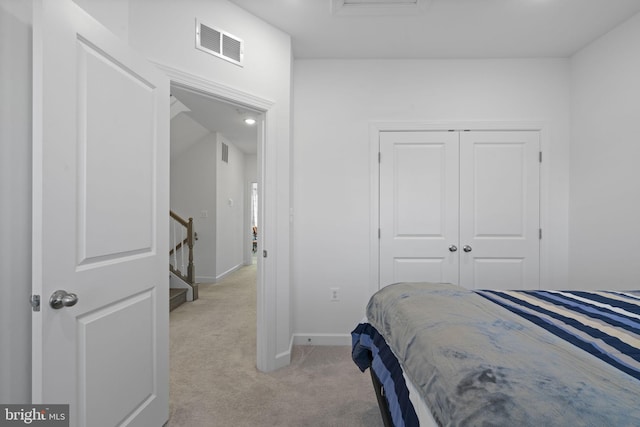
column 214, row 381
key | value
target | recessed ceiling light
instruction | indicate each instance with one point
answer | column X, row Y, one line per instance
column 250, row 121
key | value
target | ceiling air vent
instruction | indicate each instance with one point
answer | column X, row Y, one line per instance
column 378, row 7
column 219, row 43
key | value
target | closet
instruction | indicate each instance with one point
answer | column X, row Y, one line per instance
column 460, row 207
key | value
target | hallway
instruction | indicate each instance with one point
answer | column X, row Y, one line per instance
column 214, row 381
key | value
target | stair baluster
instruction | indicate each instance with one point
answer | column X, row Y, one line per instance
column 183, row 234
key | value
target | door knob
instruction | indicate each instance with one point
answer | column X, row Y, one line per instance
column 466, row 248
column 453, row 248
column 61, row 299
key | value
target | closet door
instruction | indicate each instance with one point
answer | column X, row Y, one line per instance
column 499, row 210
column 418, row 207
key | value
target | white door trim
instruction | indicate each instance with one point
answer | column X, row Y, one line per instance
column 267, row 359
column 375, row 128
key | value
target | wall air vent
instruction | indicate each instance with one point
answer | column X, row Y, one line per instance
column 219, row 43
column 225, row 153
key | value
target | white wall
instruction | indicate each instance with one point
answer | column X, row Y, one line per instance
column 335, row 101
column 201, row 182
column 193, row 191
column 605, row 152
column 113, row 14
column 164, row 31
column 231, row 208
column 15, row 201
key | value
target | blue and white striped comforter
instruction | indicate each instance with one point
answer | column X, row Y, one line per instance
column 603, row 323
column 516, row 358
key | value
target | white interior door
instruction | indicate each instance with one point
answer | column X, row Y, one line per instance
column 460, row 207
column 499, row 210
column 418, row 207
column 101, row 150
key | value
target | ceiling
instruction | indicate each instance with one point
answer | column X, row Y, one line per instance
column 201, row 114
column 441, row 28
column 428, row 29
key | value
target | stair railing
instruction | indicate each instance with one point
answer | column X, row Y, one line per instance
column 182, row 238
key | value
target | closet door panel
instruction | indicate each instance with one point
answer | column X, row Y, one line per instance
column 499, row 209
column 418, row 207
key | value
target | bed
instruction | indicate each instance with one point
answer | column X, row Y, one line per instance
column 443, row 355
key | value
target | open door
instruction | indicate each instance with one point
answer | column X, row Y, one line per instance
column 101, row 204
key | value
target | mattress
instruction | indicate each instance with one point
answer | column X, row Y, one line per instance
column 526, row 358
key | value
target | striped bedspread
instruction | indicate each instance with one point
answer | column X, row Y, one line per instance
column 515, row 358
column 605, row 323
column 369, row 350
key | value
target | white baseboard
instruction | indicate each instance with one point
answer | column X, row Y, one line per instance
column 284, row 359
column 322, row 339
column 229, row 271
column 211, row 279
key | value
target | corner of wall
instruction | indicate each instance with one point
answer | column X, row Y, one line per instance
column 15, row 200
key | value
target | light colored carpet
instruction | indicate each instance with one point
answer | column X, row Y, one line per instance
column 214, row 381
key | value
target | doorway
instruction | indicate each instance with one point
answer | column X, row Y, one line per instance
column 205, row 125
column 253, row 220
column 268, row 318
column 213, row 160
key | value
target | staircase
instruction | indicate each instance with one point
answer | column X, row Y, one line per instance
column 183, row 286
column 177, row 297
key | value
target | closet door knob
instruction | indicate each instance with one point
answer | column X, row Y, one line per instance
column 453, row 248
column 466, row 248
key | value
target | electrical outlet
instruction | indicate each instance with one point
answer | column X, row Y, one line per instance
column 335, row 294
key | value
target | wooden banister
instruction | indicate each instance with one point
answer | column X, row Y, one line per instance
column 184, row 222
column 190, row 276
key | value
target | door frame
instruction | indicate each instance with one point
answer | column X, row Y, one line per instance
column 266, row 328
column 377, row 127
